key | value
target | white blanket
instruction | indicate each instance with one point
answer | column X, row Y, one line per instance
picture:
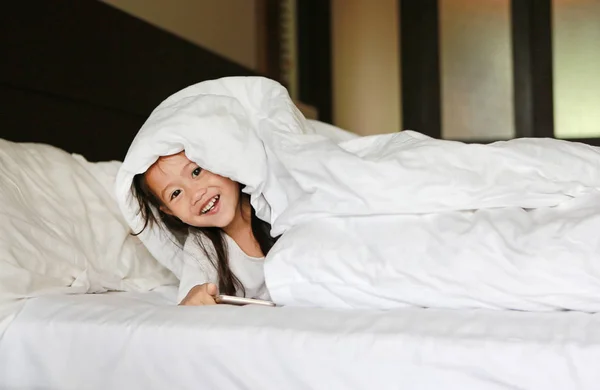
column 387, row 220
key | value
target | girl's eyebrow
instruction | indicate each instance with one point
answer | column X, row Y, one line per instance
column 184, row 168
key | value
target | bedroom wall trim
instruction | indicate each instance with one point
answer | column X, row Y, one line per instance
column 315, row 85
column 268, row 15
column 531, row 24
column 532, row 62
column 420, row 66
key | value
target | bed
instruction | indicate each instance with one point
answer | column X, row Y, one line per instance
column 88, row 93
column 143, row 341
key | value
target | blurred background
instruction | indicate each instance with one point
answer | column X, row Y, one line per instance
column 469, row 70
column 476, row 70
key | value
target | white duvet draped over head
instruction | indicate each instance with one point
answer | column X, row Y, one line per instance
column 389, row 220
column 217, row 123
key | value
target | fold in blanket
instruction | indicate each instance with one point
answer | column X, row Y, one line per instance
column 248, row 129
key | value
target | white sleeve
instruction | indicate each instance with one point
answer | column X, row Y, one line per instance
column 197, row 268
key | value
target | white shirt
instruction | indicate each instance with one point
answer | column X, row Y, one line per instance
column 197, row 268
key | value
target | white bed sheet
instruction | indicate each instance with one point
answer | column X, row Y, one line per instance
column 142, row 341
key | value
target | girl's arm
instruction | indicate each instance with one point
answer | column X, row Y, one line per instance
column 197, row 271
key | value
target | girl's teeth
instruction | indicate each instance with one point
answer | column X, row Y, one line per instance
column 210, row 205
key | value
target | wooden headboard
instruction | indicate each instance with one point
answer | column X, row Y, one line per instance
column 83, row 76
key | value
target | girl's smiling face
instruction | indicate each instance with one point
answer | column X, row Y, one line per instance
column 197, row 197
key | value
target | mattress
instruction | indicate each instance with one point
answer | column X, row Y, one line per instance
column 143, row 341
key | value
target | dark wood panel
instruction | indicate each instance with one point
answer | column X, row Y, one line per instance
column 420, row 63
column 531, row 22
column 111, row 68
column 315, row 86
column 269, row 32
column 87, row 50
column 78, row 127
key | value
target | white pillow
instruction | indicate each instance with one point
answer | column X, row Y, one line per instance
column 61, row 230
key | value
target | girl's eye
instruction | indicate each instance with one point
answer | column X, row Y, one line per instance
column 175, row 194
column 196, row 172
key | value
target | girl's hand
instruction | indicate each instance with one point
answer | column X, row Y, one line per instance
column 200, row 295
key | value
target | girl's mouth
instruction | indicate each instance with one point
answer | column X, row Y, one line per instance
column 211, row 205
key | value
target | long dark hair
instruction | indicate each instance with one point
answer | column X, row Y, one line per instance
column 228, row 283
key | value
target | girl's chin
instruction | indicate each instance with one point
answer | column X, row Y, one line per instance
column 218, row 222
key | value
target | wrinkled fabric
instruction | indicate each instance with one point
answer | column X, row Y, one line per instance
column 301, row 180
column 61, row 231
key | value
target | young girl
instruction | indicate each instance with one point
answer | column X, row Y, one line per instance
column 225, row 242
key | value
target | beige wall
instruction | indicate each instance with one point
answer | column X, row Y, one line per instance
column 366, row 70
column 576, row 33
column 227, row 27
column 476, row 70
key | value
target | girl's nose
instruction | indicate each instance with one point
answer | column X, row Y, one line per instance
column 197, row 195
